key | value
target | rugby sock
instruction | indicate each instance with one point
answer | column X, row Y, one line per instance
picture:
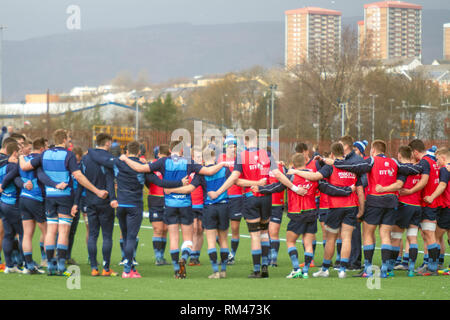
column 234, row 246
column 326, row 265
column 265, row 250
column 274, row 248
column 425, row 259
column 121, row 249
column 41, row 246
column 293, row 254
column 395, row 251
column 368, row 257
column 50, row 251
column 433, row 253
column 344, row 264
column 135, row 248
column 405, row 259
column 212, row 253
column 157, row 244
column 186, row 253
column 175, row 255
column 308, row 259
column 62, row 252
column 386, row 255
column 256, row 257
column 314, row 247
column 224, row 252
column 195, row 255
column 28, row 260
column 338, row 250
column 399, row 259
column 413, row 251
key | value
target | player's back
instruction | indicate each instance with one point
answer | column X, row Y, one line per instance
column 432, row 184
column 255, row 164
column 213, row 183
column 129, row 183
column 37, row 192
column 342, row 178
column 54, row 164
column 301, row 204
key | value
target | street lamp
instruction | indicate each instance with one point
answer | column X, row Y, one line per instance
column 273, row 87
column 373, row 96
column 23, row 102
column 343, row 107
column 135, row 96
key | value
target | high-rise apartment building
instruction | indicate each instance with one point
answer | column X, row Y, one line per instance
column 312, row 33
column 393, row 29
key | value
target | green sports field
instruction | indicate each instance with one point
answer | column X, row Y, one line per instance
column 158, row 282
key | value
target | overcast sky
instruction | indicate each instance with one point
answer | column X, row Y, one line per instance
column 32, row 18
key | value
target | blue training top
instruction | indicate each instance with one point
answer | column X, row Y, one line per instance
column 58, row 164
column 213, row 183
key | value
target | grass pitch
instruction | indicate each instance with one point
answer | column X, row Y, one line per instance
column 158, row 282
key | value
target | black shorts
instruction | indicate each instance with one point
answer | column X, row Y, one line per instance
column 337, row 216
column 300, row 227
column 323, row 213
column 198, row 213
column 443, row 218
column 181, row 215
column 257, row 207
column 408, row 215
column 235, row 208
column 58, row 205
column 277, row 214
column 156, row 214
column 215, row 216
column 378, row 216
column 429, row 213
column 32, row 210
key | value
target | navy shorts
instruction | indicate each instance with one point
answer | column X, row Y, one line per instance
column 235, row 208
column 156, row 214
column 300, row 227
column 408, row 215
column 257, row 208
column 55, row 206
column 1, row 214
column 215, row 216
column 277, row 214
column 181, row 215
column 378, row 216
column 32, row 210
column 198, row 213
column 443, row 218
column 323, row 213
column 429, row 213
column 337, row 216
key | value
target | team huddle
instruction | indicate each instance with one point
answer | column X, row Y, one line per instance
column 208, row 190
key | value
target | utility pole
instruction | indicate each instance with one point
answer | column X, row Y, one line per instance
column 273, row 87
column 2, row 27
column 137, row 119
column 343, row 107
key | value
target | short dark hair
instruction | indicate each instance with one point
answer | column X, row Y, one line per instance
column 102, row 139
column 133, row 147
column 347, row 140
column 405, row 152
column 337, row 149
column 164, row 149
column 8, row 140
column 17, row 136
column 379, row 145
column 417, row 145
column 11, row 147
column 38, row 143
column 301, row 147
